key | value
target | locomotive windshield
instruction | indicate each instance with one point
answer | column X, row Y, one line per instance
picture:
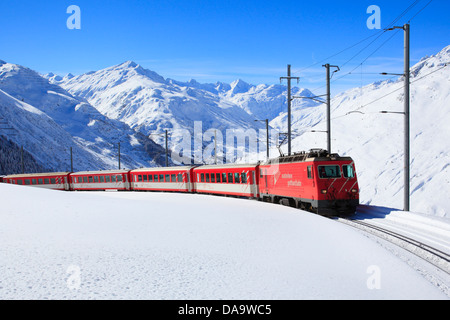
column 326, row 172
column 348, row 171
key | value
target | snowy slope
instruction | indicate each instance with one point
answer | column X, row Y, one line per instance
column 151, row 104
column 375, row 140
column 111, row 245
column 147, row 102
column 48, row 121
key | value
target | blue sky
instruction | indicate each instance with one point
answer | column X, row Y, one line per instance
column 223, row 40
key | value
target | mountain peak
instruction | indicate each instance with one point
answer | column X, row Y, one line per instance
column 239, row 86
column 128, row 64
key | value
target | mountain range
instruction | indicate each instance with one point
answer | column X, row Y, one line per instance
column 126, row 103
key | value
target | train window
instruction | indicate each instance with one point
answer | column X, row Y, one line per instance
column 53, row 180
column 161, row 178
column 33, row 181
column 310, row 172
column 155, row 178
column 244, row 177
column 230, row 177
column 40, row 181
column 236, row 177
column 139, row 178
column 327, row 172
column 202, row 177
column 95, row 178
column 27, row 181
column 107, row 179
column 145, row 177
column 213, row 177
column 218, row 177
column 102, row 179
column 150, row 178
column 224, row 178
column 113, row 178
column 167, row 177
column 180, row 177
column 173, row 178
column 46, row 181
column 119, row 178
column 348, row 171
column 20, row 182
column 91, row 179
column 207, row 177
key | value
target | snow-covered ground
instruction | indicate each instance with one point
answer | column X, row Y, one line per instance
column 111, row 245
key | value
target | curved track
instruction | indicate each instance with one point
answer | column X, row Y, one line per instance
column 436, row 257
column 422, row 236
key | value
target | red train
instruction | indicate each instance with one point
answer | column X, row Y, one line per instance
column 314, row 181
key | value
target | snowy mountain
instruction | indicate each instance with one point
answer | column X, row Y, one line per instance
column 375, row 140
column 48, row 121
column 147, row 102
column 151, row 104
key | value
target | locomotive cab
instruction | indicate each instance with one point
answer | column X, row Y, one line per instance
column 337, row 186
column 315, row 181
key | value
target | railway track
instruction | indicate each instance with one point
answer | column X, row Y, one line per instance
column 434, row 256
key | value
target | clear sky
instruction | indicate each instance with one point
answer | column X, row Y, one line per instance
column 223, row 40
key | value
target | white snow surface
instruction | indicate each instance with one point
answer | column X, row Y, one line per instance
column 129, row 245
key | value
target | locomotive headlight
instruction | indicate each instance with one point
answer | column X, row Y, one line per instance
column 324, row 191
column 354, row 190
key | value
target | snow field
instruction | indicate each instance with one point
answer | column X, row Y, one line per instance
column 111, row 245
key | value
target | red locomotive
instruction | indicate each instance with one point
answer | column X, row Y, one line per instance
column 315, row 181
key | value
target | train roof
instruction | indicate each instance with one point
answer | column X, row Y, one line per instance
column 228, row 165
column 100, row 172
column 309, row 156
column 153, row 169
column 43, row 174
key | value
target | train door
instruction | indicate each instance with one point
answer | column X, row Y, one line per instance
column 66, row 184
column 253, row 185
column 266, row 182
column 188, row 182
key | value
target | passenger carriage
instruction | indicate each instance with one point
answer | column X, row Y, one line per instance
column 100, row 180
column 177, row 179
column 229, row 179
column 50, row 180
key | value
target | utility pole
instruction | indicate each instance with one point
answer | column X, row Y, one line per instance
column 328, row 66
column 119, row 155
column 71, row 160
column 289, row 100
column 21, row 160
column 215, row 147
column 267, row 139
column 406, row 27
column 167, row 151
column 406, row 75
